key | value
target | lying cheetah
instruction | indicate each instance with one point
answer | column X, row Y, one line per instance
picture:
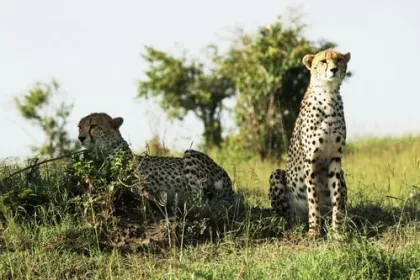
column 313, row 182
column 195, row 173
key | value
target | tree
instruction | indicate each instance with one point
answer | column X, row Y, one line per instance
column 34, row 108
column 264, row 71
column 182, row 87
column 270, row 81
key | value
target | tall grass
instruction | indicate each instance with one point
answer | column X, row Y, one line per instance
column 50, row 240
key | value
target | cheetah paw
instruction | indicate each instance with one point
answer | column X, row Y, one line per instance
column 314, row 233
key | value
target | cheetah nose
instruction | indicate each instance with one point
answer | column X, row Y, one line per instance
column 334, row 70
column 82, row 138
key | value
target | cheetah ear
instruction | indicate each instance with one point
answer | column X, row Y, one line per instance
column 117, row 122
column 347, row 57
column 307, row 60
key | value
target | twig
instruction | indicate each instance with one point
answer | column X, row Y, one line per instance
column 393, row 197
column 38, row 164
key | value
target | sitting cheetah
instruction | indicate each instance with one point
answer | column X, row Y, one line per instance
column 313, row 182
column 194, row 173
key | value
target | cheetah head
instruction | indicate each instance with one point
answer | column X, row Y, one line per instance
column 100, row 131
column 327, row 67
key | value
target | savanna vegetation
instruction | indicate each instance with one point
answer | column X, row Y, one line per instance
column 49, row 231
column 76, row 218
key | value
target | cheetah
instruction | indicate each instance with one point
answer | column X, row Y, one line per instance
column 313, row 183
column 195, row 173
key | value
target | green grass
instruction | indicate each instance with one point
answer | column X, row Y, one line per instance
column 54, row 241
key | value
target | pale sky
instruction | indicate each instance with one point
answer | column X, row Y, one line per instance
column 92, row 48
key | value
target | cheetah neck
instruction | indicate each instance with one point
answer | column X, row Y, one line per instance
column 324, row 90
column 120, row 147
column 325, row 102
column 331, row 87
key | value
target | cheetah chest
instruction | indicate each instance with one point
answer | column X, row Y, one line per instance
column 326, row 118
column 333, row 136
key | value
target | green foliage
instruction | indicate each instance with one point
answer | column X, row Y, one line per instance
column 182, row 87
column 98, row 183
column 24, row 195
column 270, row 80
column 35, row 107
column 81, row 183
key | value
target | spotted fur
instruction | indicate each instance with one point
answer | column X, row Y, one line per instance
column 313, row 183
column 195, row 173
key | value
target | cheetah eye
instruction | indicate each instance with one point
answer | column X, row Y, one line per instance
column 339, row 60
column 92, row 125
column 324, row 61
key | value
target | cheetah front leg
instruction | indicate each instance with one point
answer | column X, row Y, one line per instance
column 196, row 186
column 278, row 194
column 338, row 193
column 314, row 215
